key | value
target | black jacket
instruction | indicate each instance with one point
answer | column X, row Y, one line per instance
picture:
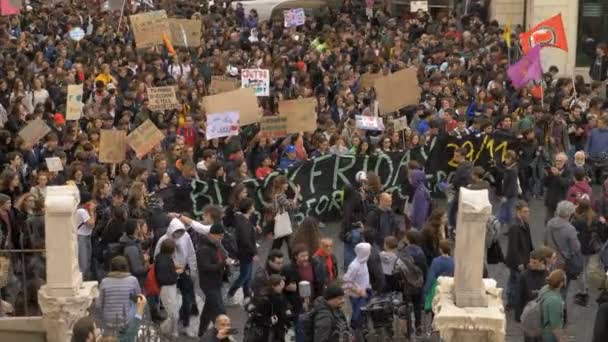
column 245, row 238
column 322, row 273
column 376, row 275
column 557, row 187
column 327, row 321
column 587, row 232
column 520, row 244
column 165, row 270
column 528, row 285
column 510, row 189
column 382, row 223
column 211, row 262
column 135, row 257
column 600, row 329
column 292, row 275
column 211, row 336
column 599, row 69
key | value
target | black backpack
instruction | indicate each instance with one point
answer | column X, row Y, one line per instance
column 409, row 274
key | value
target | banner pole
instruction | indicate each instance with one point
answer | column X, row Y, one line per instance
column 403, row 134
column 122, row 12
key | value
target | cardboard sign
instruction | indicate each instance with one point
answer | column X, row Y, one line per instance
column 76, row 34
column 242, row 101
column 112, row 146
column 416, row 6
column 294, row 17
column 300, row 113
column 397, row 90
column 34, row 132
column 400, row 124
column 185, row 32
column 222, row 125
column 115, row 5
column 74, row 105
column 144, row 138
column 149, row 27
column 257, row 79
column 222, row 84
column 162, row 98
column 273, row 126
column 54, row 164
column 10, row 7
column 369, row 123
column 367, row 80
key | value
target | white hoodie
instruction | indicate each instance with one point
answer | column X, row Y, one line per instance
column 184, row 249
column 357, row 273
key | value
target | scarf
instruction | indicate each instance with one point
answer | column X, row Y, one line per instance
column 328, row 263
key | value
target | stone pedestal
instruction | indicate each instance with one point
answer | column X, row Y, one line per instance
column 474, row 209
column 64, row 298
column 469, row 324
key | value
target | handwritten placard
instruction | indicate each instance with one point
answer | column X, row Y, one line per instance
column 416, row 6
column 222, row 84
column 185, row 32
column 54, row 164
column 74, row 103
column 300, row 113
column 242, row 101
column 144, row 138
column 34, row 132
column 222, row 125
column 162, row 98
column 149, row 27
column 258, row 79
column 112, row 146
column 273, row 126
column 400, row 124
column 294, row 17
column 369, row 123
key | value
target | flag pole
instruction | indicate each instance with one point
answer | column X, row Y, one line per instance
column 122, row 12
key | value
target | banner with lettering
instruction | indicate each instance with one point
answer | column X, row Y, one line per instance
column 323, row 179
column 294, row 17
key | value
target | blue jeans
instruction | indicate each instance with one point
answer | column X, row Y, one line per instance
column 512, row 289
column 85, row 255
column 357, row 319
column 506, row 212
column 244, row 279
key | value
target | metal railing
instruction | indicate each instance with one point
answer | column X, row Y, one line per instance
column 27, row 267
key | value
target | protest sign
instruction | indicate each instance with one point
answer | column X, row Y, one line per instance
column 144, row 138
column 115, row 5
column 34, row 132
column 222, row 84
column 257, row 79
column 185, row 32
column 273, row 126
column 397, row 90
column 322, row 180
column 300, row 114
column 10, row 7
column 74, row 105
column 162, row 98
column 112, row 146
column 367, row 80
column 416, row 6
column 242, row 101
column 294, row 17
column 149, row 27
column 222, row 125
column 76, row 34
column 400, row 124
column 369, row 123
column 54, row 164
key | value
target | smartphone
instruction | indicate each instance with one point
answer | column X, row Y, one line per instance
column 232, row 331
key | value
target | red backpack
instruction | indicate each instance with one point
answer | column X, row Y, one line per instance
column 151, row 287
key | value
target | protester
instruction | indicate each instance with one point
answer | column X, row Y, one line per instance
column 553, row 307
column 531, row 280
column 221, row 331
column 329, row 318
column 116, row 292
column 357, row 282
column 166, row 278
column 519, row 248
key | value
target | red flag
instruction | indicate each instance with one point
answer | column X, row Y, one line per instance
column 537, row 91
column 546, row 33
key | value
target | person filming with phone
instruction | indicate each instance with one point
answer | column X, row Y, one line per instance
column 221, row 331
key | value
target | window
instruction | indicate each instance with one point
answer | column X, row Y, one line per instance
column 592, row 29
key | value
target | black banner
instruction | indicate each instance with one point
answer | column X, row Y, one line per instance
column 322, row 180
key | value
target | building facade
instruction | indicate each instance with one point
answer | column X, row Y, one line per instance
column 585, row 22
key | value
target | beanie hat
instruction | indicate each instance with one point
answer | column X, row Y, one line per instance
column 332, row 292
column 216, row 228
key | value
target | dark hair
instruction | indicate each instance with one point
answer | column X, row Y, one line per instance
column 275, row 254
column 298, row 249
column 391, row 242
column 275, row 279
column 83, row 327
column 579, row 174
column 445, row 246
column 520, row 204
column 167, row 247
column 130, row 227
column 119, row 264
column 245, row 204
column 538, row 254
column 413, row 236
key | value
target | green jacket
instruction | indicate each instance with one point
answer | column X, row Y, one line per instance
column 553, row 312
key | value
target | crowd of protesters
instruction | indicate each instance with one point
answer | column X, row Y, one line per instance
column 131, row 245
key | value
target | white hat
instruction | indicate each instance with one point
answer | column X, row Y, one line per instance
column 361, row 177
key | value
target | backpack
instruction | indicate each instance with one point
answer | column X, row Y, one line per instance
column 492, row 230
column 306, row 326
column 151, row 287
column 229, row 242
column 410, row 276
column 532, row 318
column 114, row 249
